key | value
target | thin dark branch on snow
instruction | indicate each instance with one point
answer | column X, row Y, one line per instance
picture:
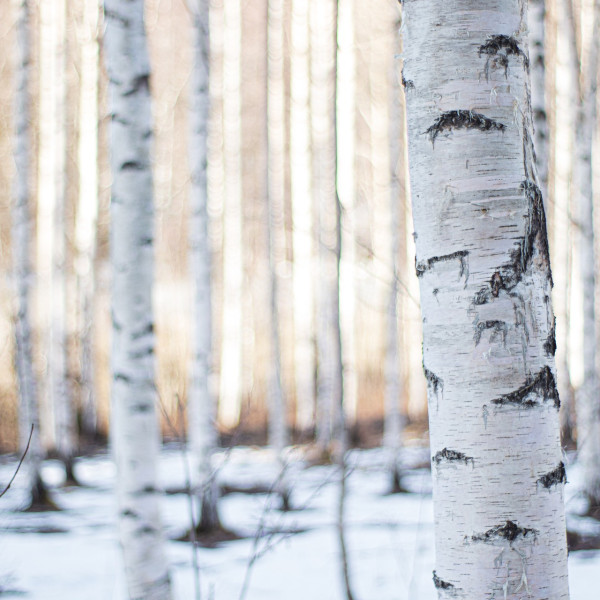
column 20, row 463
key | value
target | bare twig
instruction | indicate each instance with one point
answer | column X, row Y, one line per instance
column 20, row 463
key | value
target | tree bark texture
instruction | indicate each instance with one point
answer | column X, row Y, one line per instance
column 202, row 407
column 21, row 249
column 135, row 434
column 483, row 263
column 327, row 213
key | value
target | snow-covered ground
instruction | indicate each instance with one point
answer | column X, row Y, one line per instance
column 74, row 555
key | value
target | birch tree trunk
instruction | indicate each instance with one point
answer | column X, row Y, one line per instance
column 483, row 264
column 585, row 76
column 202, row 407
column 330, row 418
column 21, row 248
column 302, row 216
column 275, row 203
column 51, row 223
column 135, row 434
column 87, row 210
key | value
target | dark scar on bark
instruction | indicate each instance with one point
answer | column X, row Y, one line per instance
column 503, row 45
column 463, row 119
column 497, row 326
column 554, row 477
column 451, row 456
column 535, row 239
column 461, row 255
column 510, row 531
column 433, row 380
column 542, row 384
column 407, row 83
column 440, row 584
column 550, row 343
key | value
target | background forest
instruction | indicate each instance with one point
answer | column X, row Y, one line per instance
column 278, row 160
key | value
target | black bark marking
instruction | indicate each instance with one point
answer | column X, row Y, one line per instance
column 440, row 584
column 120, row 19
column 498, row 48
column 543, row 384
column 451, row 456
column 463, row 119
column 149, row 329
column 141, row 83
column 433, row 380
column 550, row 343
column 128, row 513
column 142, row 353
column 122, row 377
column 555, row 477
column 146, row 241
column 498, row 327
column 141, row 408
column 534, row 244
column 510, row 531
column 407, row 83
column 461, row 255
column 133, row 165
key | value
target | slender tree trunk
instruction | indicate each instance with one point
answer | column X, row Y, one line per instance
column 202, row 408
column 135, row 434
column 275, row 199
column 588, row 401
column 536, row 21
column 21, row 246
column 230, row 399
column 330, row 418
column 302, row 217
column 87, row 211
column 483, row 264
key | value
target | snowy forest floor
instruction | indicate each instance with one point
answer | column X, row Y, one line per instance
column 74, row 554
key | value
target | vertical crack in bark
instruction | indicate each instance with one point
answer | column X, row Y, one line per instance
column 509, row 531
column 554, row 477
column 462, row 119
column 447, row 455
column 550, row 343
column 498, row 48
column 542, row 387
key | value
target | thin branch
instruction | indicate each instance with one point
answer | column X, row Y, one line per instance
column 20, row 463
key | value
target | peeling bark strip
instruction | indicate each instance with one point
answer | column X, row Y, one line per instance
column 510, row 531
column 440, row 584
column 461, row 255
column 451, row 456
column 555, row 477
column 542, row 384
column 463, row 119
column 502, row 46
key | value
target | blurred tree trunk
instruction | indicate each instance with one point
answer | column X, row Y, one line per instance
column 483, row 264
column 278, row 436
column 302, row 217
column 21, row 248
column 230, row 397
column 585, row 76
column 52, row 262
column 202, row 407
column 330, row 417
column 135, row 434
column 87, row 211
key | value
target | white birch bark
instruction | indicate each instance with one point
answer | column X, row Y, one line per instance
column 21, row 249
column 585, row 76
column 134, row 430
column 51, row 222
column 275, row 203
column 536, row 20
column 87, row 210
column 230, row 397
column 483, row 264
column 302, row 217
column 202, row 407
column 323, row 22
